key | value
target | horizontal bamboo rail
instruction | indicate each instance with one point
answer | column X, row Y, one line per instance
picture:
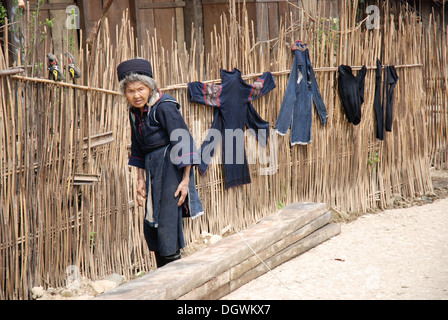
column 66, row 84
column 185, row 85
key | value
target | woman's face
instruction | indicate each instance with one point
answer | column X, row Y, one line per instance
column 137, row 94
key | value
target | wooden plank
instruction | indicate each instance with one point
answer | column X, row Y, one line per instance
column 220, row 283
column 194, row 22
column 274, row 22
column 58, row 32
column 207, row 2
column 144, row 21
column 98, row 140
column 180, row 29
column 281, row 244
column 210, row 262
column 213, row 12
column 161, row 5
column 163, row 23
column 262, row 22
column 91, row 13
column 319, row 236
column 115, row 15
column 161, row 17
column 208, row 289
column 52, row 6
column 286, row 10
column 311, row 241
column 82, row 179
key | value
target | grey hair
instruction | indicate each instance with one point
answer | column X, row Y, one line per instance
column 134, row 77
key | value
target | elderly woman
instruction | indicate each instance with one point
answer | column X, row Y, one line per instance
column 163, row 150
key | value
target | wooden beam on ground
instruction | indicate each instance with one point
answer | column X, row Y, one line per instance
column 220, row 268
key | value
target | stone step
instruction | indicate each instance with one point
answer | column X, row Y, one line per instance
column 226, row 265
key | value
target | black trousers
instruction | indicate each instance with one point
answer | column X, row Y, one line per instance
column 377, row 105
column 390, row 82
column 152, row 238
column 384, row 99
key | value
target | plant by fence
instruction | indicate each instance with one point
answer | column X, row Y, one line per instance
column 67, row 194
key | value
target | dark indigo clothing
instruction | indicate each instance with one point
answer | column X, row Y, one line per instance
column 161, row 261
column 390, row 81
column 165, row 226
column 351, row 91
column 151, row 149
column 384, row 99
column 297, row 107
column 234, row 111
column 166, row 229
column 154, row 129
column 379, row 112
column 159, row 166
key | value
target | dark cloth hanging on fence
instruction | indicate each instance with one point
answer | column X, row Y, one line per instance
column 233, row 112
column 351, row 91
column 384, row 99
column 377, row 105
column 390, row 82
column 301, row 91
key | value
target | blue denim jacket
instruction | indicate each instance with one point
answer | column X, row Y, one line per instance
column 297, row 106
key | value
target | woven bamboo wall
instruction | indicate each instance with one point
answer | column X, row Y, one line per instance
column 49, row 138
column 434, row 51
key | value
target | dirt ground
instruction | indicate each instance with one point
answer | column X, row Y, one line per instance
column 395, row 254
column 400, row 253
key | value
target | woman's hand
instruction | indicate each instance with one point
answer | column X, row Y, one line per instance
column 182, row 189
column 141, row 188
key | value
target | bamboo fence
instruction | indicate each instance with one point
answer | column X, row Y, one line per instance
column 434, row 51
column 67, row 193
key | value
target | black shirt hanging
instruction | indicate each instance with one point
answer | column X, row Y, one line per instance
column 351, row 91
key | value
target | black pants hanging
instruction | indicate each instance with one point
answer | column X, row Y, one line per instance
column 390, row 82
column 377, row 102
column 384, row 101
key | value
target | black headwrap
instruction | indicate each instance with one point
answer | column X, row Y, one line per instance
column 139, row 66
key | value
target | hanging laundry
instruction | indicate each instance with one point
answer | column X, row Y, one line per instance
column 391, row 79
column 379, row 112
column 384, row 101
column 351, row 92
column 297, row 106
column 234, row 111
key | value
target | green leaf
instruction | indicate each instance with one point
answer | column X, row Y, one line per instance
column 280, row 204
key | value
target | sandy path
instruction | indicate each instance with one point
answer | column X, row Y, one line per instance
column 394, row 254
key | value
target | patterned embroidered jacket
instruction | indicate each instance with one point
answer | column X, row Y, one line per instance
column 233, row 112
